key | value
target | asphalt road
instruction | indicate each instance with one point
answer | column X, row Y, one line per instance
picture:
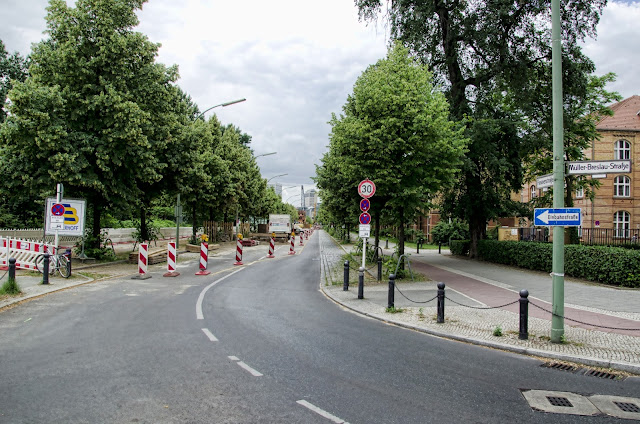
column 253, row 344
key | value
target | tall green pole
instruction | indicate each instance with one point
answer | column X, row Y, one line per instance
column 557, row 320
column 178, row 219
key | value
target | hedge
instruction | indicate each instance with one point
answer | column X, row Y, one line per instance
column 608, row 265
column 459, row 247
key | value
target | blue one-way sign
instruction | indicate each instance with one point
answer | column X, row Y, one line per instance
column 557, row 217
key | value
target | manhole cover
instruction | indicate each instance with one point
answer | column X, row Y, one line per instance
column 559, row 401
column 628, row 407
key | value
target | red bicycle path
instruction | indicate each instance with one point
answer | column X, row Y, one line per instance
column 492, row 295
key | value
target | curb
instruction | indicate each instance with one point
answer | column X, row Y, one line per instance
column 589, row 361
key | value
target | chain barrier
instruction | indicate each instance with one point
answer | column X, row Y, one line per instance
column 584, row 323
column 414, row 301
column 481, row 307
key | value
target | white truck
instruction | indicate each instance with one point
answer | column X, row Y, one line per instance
column 279, row 224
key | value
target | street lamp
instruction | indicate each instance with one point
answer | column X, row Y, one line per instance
column 281, row 175
column 266, row 154
column 233, row 102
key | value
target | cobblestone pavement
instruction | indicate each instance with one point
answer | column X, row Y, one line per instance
column 589, row 347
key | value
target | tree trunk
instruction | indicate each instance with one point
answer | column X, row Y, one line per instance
column 477, row 230
column 94, row 242
column 194, row 225
column 401, row 237
column 144, row 230
column 376, row 218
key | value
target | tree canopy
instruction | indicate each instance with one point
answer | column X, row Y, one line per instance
column 481, row 52
column 394, row 130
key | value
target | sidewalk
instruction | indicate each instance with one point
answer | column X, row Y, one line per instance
column 473, row 284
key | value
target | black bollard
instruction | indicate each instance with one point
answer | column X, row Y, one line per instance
column 345, row 285
column 67, row 253
column 524, row 315
column 386, row 244
column 418, row 247
column 379, row 269
column 12, row 268
column 361, row 283
column 440, row 303
column 392, row 289
column 45, row 269
column 439, row 248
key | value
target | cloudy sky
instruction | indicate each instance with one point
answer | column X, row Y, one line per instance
column 295, row 61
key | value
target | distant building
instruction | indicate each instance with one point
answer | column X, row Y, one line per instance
column 277, row 187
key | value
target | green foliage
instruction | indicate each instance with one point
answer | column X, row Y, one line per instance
column 394, row 310
column 101, row 252
column 444, row 231
column 394, row 130
column 497, row 331
column 494, row 58
column 608, row 265
column 460, row 247
column 10, row 287
column 12, row 68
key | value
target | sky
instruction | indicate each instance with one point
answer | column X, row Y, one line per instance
column 295, row 61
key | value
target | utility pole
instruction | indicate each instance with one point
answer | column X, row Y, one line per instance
column 557, row 319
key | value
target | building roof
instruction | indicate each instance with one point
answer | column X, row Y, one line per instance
column 626, row 116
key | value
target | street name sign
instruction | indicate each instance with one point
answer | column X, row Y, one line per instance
column 599, row 167
column 571, row 217
column 544, row 181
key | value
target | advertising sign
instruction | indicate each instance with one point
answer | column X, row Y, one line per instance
column 65, row 217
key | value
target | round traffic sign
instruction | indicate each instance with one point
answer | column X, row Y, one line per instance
column 365, row 205
column 57, row 209
column 366, row 188
column 365, row 218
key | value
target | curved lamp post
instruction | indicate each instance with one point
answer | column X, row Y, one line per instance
column 281, row 175
column 233, row 102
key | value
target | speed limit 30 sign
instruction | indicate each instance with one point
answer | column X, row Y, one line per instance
column 366, row 188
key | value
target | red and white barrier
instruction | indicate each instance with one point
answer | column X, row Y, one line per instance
column 272, row 245
column 301, row 238
column 204, row 258
column 172, row 258
column 239, row 251
column 292, row 249
column 24, row 251
column 143, row 260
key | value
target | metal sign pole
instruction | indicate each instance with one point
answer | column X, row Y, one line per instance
column 364, row 250
column 59, row 190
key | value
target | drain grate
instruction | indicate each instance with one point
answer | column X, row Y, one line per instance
column 628, row 407
column 603, row 374
column 559, row 401
column 559, row 366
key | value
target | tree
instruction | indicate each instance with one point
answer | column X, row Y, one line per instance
column 395, row 130
column 93, row 112
column 479, row 50
column 12, row 68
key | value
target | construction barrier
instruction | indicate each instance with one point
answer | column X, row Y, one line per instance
column 272, row 243
column 172, row 258
column 292, row 249
column 143, row 261
column 24, row 251
column 204, row 258
column 301, row 238
column 239, row 251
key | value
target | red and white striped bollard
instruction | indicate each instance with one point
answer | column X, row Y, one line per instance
column 292, row 249
column 204, row 258
column 272, row 243
column 143, row 260
column 239, row 251
column 172, row 258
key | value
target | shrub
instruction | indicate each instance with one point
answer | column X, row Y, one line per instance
column 608, row 265
column 445, row 231
column 459, row 247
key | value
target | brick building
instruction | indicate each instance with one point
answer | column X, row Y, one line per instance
column 615, row 205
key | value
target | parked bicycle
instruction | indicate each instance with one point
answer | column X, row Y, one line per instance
column 58, row 262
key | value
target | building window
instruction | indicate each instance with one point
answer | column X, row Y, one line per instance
column 622, row 150
column 622, row 186
column 580, row 193
column 621, row 220
column 534, row 194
